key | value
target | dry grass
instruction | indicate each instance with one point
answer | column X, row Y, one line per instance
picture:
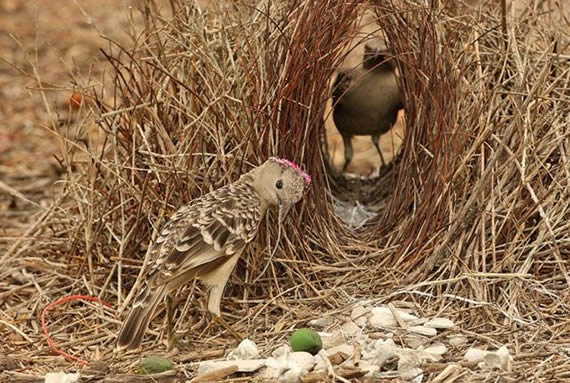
column 476, row 227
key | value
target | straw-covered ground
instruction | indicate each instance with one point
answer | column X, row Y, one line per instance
column 474, row 222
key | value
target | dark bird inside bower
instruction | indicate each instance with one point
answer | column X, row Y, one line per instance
column 366, row 100
column 364, row 124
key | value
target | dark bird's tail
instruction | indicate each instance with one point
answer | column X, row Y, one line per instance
column 133, row 329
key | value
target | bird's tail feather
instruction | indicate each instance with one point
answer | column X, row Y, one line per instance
column 133, row 329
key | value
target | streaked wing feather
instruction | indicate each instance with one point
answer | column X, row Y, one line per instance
column 206, row 232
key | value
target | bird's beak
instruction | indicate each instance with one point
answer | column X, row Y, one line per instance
column 284, row 208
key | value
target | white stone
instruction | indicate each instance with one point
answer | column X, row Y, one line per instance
column 291, row 376
column 320, row 323
column 61, row 377
column 423, row 330
column 475, row 354
column 281, row 350
column 415, row 340
column 439, row 323
column 277, row 364
column 361, row 322
column 359, row 315
column 320, row 364
column 383, row 351
column 382, row 317
column 245, row 351
column 368, row 367
column 500, row 359
column 344, row 348
column 331, row 339
column 436, row 349
column 242, row 365
column 303, row 359
column 384, row 342
column 456, row 340
column 350, row 329
column 289, row 367
column 412, row 374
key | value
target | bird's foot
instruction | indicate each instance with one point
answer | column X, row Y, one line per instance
column 175, row 342
column 223, row 323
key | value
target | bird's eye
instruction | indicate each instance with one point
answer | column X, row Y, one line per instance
column 279, row 184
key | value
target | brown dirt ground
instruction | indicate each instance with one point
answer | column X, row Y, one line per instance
column 57, row 44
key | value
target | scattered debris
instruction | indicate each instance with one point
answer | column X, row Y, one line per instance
column 251, row 365
column 456, row 340
column 247, row 349
column 61, row 377
column 383, row 317
column 439, row 323
column 360, row 315
column 489, row 360
column 320, row 323
column 423, row 330
column 289, row 367
column 217, row 374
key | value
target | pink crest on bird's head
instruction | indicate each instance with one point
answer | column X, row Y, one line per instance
column 293, row 165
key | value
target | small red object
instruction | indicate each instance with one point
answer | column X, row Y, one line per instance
column 44, row 325
column 75, row 100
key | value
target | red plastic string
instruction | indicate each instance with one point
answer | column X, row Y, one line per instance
column 59, row 301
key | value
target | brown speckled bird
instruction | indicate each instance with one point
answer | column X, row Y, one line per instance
column 204, row 239
column 366, row 101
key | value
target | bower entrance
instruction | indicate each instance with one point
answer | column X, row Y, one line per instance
column 360, row 187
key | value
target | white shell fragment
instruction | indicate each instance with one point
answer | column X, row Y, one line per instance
column 61, row 377
column 320, row 323
column 456, row 340
column 350, row 329
column 436, row 349
column 281, row 350
column 412, row 374
column 382, row 317
column 500, row 359
column 289, row 367
column 439, row 323
column 344, row 348
column 423, row 330
column 247, row 349
column 242, row 365
column 359, row 315
column 331, row 339
column 374, row 353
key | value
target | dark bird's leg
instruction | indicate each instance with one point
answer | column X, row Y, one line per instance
column 347, row 140
column 223, row 323
column 375, row 140
column 170, row 321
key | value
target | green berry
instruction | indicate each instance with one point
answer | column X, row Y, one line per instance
column 155, row 365
column 307, row 340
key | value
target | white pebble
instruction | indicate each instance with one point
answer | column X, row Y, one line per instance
column 247, row 349
column 440, row 323
column 423, row 330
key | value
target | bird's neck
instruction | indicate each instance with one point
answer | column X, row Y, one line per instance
column 254, row 180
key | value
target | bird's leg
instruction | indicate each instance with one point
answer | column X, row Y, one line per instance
column 375, row 140
column 172, row 341
column 223, row 323
column 170, row 321
column 346, row 139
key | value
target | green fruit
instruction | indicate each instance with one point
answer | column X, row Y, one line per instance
column 307, row 340
column 155, row 365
